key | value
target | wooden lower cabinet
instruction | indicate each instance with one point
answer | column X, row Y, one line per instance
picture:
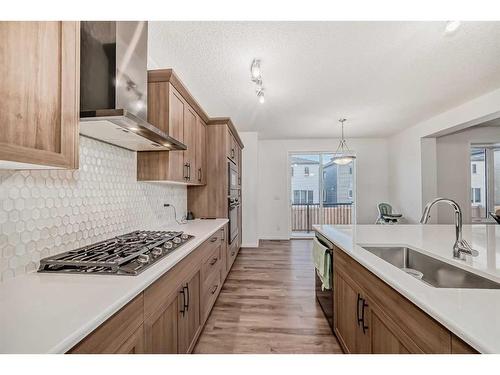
column 347, row 318
column 120, row 333
column 161, row 328
column 168, row 316
column 189, row 317
column 134, row 344
column 371, row 317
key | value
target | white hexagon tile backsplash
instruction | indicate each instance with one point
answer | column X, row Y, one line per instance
column 46, row 212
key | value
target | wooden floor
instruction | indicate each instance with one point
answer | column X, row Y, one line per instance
column 267, row 305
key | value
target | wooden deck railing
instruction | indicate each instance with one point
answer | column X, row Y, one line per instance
column 304, row 216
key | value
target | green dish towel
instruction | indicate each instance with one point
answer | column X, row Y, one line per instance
column 323, row 264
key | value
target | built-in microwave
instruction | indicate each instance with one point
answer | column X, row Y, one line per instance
column 232, row 176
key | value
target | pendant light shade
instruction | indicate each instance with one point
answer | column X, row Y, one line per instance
column 343, row 155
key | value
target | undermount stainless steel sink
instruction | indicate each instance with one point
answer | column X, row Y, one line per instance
column 430, row 270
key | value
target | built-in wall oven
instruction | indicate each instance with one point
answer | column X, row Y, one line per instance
column 233, row 192
column 234, row 216
column 325, row 297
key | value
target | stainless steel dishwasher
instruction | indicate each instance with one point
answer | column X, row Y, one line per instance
column 325, row 297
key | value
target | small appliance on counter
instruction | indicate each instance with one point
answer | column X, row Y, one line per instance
column 496, row 216
column 129, row 254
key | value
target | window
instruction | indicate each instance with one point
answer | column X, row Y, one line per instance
column 350, row 170
column 350, row 194
column 303, row 196
column 476, row 195
column 485, row 181
column 292, row 171
column 306, row 171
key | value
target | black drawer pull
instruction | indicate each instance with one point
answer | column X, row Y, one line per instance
column 232, row 253
column 214, row 260
column 365, row 327
column 358, row 318
column 183, row 308
column 214, row 289
column 213, row 239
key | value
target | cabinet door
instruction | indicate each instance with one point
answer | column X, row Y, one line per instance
column 383, row 339
column 134, row 344
column 176, row 170
column 349, row 308
column 189, row 315
column 39, row 66
column 161, row 328
column 201, row 149
column 190, row 125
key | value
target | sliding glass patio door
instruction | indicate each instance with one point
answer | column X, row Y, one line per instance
column 321, row 192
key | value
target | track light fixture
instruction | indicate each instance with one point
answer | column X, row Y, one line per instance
column 256, row 77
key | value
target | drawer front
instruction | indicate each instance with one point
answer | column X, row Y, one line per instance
column 211, row 263
column 213, row 241
column 114, row 332
column 210, row 290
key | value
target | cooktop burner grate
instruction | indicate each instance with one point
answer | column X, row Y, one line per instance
column 128, row 254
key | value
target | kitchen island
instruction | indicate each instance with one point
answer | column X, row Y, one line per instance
column 473, row 315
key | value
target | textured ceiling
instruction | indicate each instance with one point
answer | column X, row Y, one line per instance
column 381, row 76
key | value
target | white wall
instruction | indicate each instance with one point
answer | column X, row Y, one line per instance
column 273, row 210
column 407, row 190
column 249, row 187
column 453, row 168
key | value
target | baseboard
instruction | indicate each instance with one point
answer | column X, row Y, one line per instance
column 256, row 244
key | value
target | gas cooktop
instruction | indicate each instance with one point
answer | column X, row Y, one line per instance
column 129, row 254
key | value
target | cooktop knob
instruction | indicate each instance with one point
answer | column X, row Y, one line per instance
column 184, row 236
column 157, row 251
column 168, row 245
column 143, row 258
column 177, row 240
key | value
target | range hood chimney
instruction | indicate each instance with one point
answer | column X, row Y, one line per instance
column 113, row 87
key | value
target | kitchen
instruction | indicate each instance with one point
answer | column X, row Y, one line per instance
column 153, row 204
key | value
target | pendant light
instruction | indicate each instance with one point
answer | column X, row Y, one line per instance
column 343, row 155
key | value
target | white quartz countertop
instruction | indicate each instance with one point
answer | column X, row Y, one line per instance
column 50, row 313
column 471, row 314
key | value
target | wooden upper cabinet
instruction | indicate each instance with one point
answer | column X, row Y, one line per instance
column 39, row 66
column 173, row 110
column 190, row 136
column 201, row 152
column 176, row 128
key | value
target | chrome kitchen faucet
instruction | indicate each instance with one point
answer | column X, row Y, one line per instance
column 461, row 246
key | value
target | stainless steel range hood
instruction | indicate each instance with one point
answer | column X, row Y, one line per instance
column 113, row 87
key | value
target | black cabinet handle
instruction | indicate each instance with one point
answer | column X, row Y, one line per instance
column 213, row 261
column 186, row 171
column 213, row 239
column 214, row 289
column 189, row 171
column 199, row 174
column 232, row 153
column 365, row 327
column 357, row 309
column 186, row 297
column 183, row 309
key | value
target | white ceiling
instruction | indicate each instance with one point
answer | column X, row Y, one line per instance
column 381, row 76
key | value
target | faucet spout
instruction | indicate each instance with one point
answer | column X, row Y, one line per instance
column 460, row 247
